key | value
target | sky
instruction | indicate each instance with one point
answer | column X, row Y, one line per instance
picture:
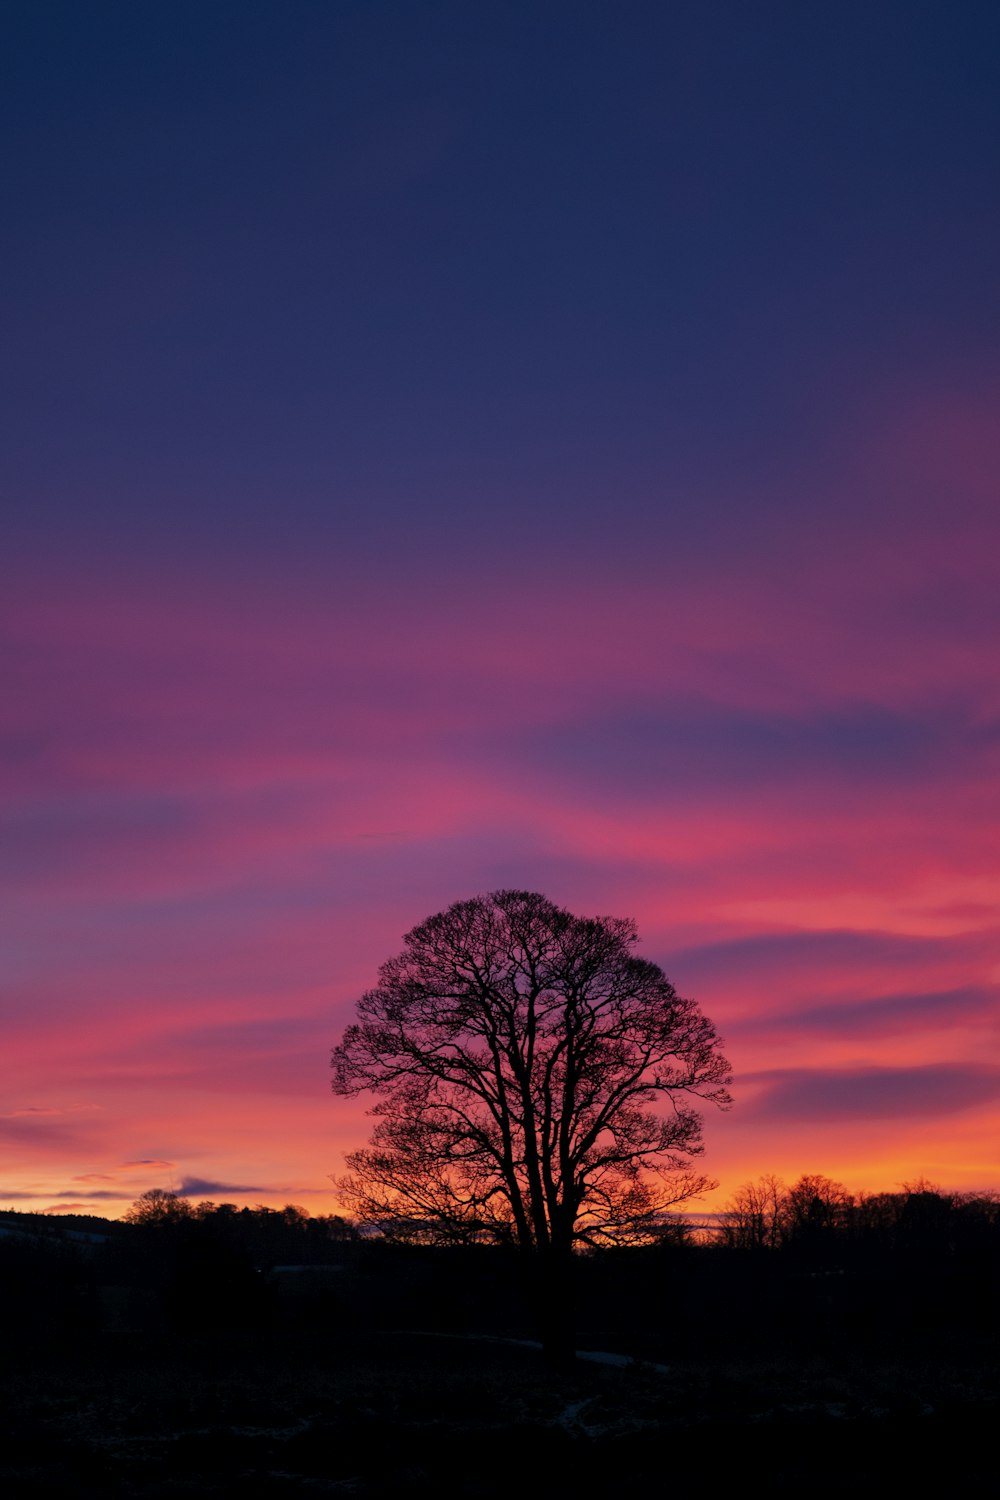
column 452, row 447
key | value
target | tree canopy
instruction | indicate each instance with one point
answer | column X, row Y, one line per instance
column 535, row 1081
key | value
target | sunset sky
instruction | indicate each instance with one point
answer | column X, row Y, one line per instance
column 451, row 446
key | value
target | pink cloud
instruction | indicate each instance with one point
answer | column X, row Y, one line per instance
column 227, row 794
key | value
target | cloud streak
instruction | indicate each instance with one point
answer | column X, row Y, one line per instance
column 815, row 1095
column 197, row 908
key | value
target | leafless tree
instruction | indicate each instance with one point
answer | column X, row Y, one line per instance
column 535, row 1081
column 813, row 1208
column 157, row 1206
column 753, row 1217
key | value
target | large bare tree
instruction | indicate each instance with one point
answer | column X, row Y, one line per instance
column 535, row 1081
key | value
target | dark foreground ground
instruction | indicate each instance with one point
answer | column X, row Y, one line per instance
column 406, row 1413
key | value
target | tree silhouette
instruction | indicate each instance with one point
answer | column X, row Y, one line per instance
column 753, row 1217
column 519, row 1055
column 157, row 1207
column 815, row 1208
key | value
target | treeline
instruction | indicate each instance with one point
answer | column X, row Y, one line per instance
column 818, row 1217
column 789, row 1269
column 220, row 1273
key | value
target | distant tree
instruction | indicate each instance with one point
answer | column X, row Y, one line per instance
column 340, row 1230
column 294, row 1217
column 156, row 1206
column 752, row 1219
column 535, row 1083
column 813, row 1209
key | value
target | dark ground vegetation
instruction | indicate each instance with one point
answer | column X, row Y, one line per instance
column 209, row 1351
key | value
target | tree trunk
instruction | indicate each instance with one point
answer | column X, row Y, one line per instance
column 551, row 1291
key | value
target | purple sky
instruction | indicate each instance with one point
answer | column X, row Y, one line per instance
column 452, row 447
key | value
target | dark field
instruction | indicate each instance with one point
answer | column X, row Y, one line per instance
column 406, row 1412
column 261, row 1354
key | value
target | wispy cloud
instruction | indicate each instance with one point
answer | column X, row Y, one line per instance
column 228, row 800
column 199, row 1187
column 930, row 1091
